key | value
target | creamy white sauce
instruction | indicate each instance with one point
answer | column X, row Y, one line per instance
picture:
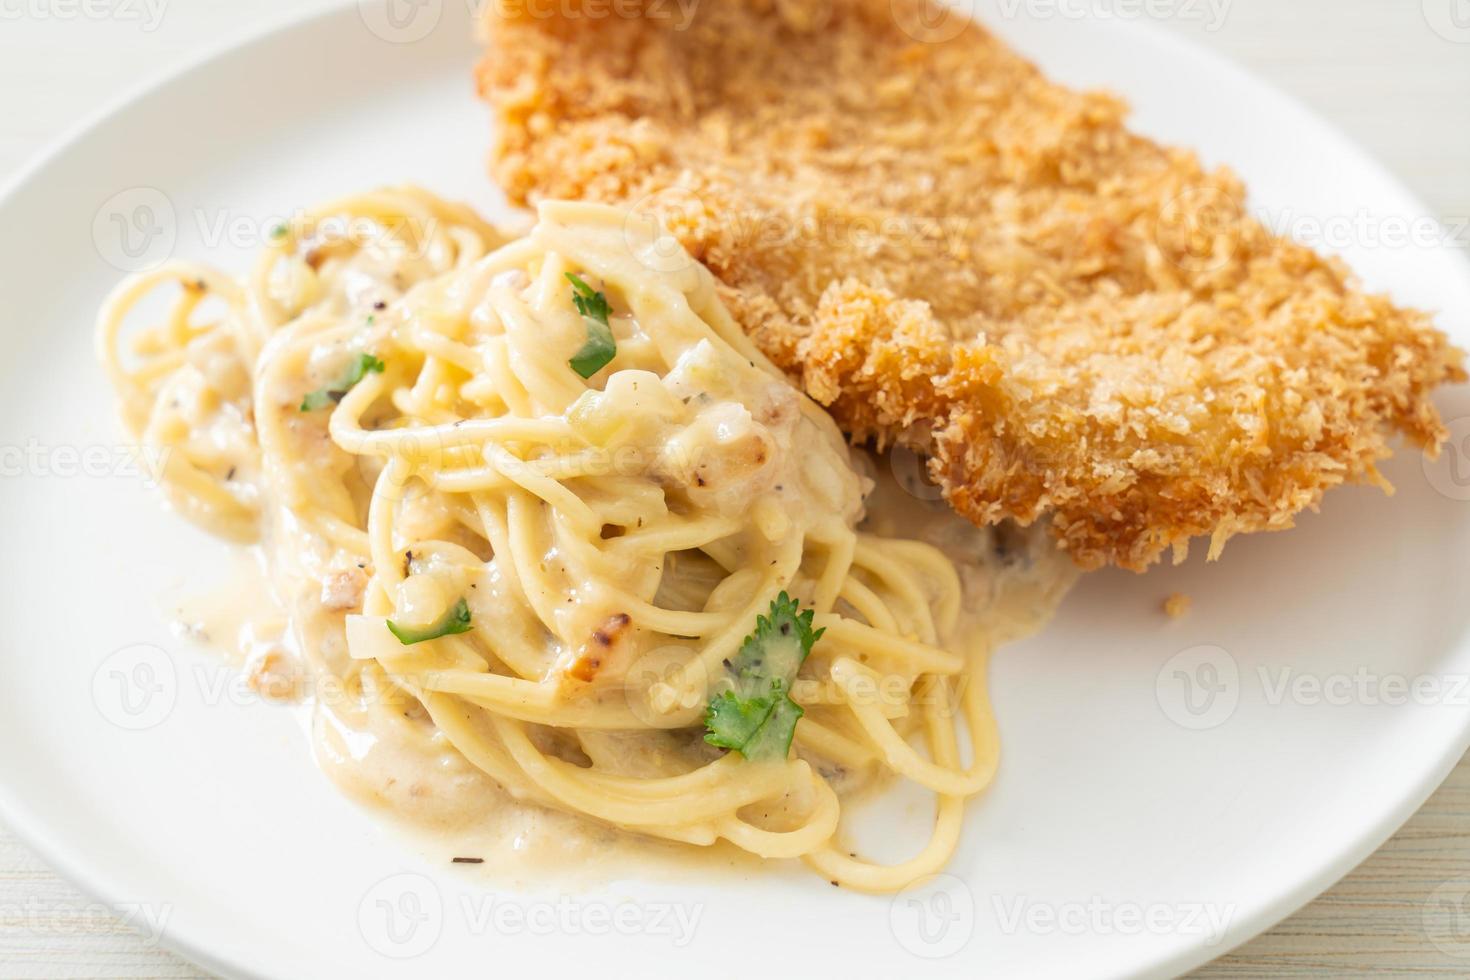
column 448, row 809
column 727, row 443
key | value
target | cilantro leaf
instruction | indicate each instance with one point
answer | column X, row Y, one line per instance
column 332, row 394
column 318, row 399
column 773, row 739
column 360, row 368
column 732, row 722
column 756, row 715
column 600, row 347
column 456, row 620
column 588, row 301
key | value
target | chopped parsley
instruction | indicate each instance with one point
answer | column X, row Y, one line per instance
column 600, row 347
column 456, row 620
column 333, row 394
column 756, row 716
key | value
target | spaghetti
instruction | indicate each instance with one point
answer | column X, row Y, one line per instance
column 545, row 574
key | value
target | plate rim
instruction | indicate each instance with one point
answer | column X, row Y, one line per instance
column 16, row 814
column 1290, row 900
column 69, row 861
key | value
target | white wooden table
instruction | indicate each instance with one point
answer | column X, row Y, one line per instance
column 1394, row 73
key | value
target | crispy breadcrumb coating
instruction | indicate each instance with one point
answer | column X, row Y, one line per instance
column 944, row 247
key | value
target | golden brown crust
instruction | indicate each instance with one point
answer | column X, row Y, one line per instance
column 946, row 248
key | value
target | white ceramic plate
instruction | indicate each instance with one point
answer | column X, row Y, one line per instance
column 1162, row 798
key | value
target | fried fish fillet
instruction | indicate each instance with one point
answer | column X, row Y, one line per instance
column 947, row 249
